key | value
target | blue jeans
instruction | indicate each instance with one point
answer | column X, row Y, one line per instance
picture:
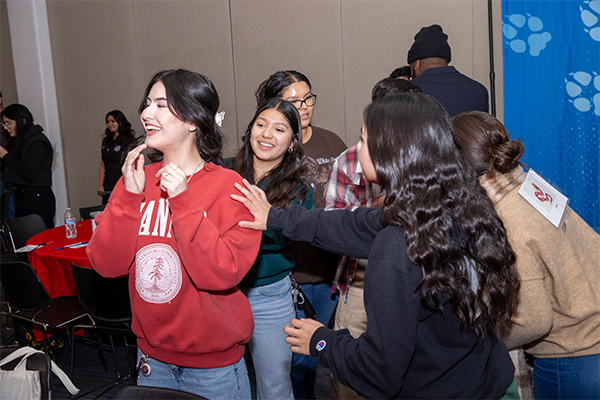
column 10, row 208
column 567, row 378
column 272, row 308
column 304, row 368
column 230, row 382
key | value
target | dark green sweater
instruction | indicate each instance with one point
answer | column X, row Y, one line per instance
column 274, row 260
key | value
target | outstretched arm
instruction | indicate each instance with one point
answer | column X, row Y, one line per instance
column 348, row 232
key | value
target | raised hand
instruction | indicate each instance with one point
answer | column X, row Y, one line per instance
column 134, row 177
column 255, row 200
column 172, row 179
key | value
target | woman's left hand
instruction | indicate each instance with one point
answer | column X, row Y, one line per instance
column 3, row 152
column 299, row 334
column 172, row 179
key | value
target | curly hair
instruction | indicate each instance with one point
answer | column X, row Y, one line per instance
column 276, row 84
column 451, row 228
column 193, row 98
column 126, row 133
column 283, row 181
column 486, row 144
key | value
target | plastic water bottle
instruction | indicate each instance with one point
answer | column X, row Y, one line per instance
column 70, row 224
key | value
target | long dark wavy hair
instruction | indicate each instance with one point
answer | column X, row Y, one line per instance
column 126, row 133
column 285, row 183
column 276, row 84
column 486, row 144
column 451, row 228
column 193, row 98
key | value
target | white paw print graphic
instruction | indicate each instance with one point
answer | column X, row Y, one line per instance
column 590, row 15
column 515, row 36
column 580, row 91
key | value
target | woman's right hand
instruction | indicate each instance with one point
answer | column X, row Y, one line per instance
column 101, row 191
column 255, row 200
column 134, row 178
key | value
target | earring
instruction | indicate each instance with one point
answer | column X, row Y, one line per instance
column 192, row 129
column 290, row 149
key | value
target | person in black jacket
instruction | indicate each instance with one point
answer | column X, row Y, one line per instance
column 428, row 57
column 441, row 272
column 27, row 164
column 116, row 143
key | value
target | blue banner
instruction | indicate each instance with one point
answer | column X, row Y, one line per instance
column 552, row 93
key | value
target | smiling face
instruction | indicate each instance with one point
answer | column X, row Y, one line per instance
column 300, row 91
column 10, row 126
column 364, row 157
column 270, row 138
column 164, row 130
column 112, row 125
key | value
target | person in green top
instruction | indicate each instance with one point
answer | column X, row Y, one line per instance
column 272, row 157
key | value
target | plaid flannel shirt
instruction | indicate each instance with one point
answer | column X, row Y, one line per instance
column 346, row 188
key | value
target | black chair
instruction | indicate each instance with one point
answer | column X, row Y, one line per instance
column 21, row 229
column 84, row 212
column 28, row 299
column 150, row 393
column 106, row 300
column 36, row 362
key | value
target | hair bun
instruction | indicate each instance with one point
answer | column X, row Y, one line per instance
column 507, row 156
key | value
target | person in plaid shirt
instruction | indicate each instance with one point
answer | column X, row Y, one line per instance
column 346, row 187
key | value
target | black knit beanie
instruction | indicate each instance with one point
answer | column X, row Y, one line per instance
column 430, row 42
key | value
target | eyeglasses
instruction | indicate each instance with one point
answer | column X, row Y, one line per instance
column 309, row 101
column 5, row 123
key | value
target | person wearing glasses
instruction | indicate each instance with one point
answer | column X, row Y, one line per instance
column 27, row 164
column 315, row 268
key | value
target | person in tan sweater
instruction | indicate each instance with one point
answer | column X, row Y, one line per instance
column 558, row 313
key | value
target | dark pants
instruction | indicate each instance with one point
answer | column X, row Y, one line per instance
column 35, row 200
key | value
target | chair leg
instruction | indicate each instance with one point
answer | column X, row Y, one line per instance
column 114, row 353
column 127, row 356
column 72, row 363
column 101, row 352
column 45, row 339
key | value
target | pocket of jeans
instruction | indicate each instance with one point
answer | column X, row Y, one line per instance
column 279, row 288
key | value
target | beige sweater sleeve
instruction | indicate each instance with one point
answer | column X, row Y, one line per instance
column 533, row 317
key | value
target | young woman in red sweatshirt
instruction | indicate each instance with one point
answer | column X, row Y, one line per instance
column 172, row 227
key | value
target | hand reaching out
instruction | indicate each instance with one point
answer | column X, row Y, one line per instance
column 255, row 200
column 299, row 334
column 134, row 177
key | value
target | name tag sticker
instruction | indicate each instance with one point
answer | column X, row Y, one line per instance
column 551, row 203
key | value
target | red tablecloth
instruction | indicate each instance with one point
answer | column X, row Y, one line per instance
column 54, row 266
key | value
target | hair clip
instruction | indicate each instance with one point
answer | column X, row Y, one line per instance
column 219, row 117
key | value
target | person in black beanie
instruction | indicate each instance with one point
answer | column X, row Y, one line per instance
column 428, row 58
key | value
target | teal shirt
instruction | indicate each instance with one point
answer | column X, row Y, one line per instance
column 274, row 260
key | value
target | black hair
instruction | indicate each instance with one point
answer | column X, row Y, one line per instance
column 126, row 133
column 283, row 180
column 392, row 86
column 193, row 98
column 20, row 114
column 276, row 84
column 402, row 72
column 451, row 228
